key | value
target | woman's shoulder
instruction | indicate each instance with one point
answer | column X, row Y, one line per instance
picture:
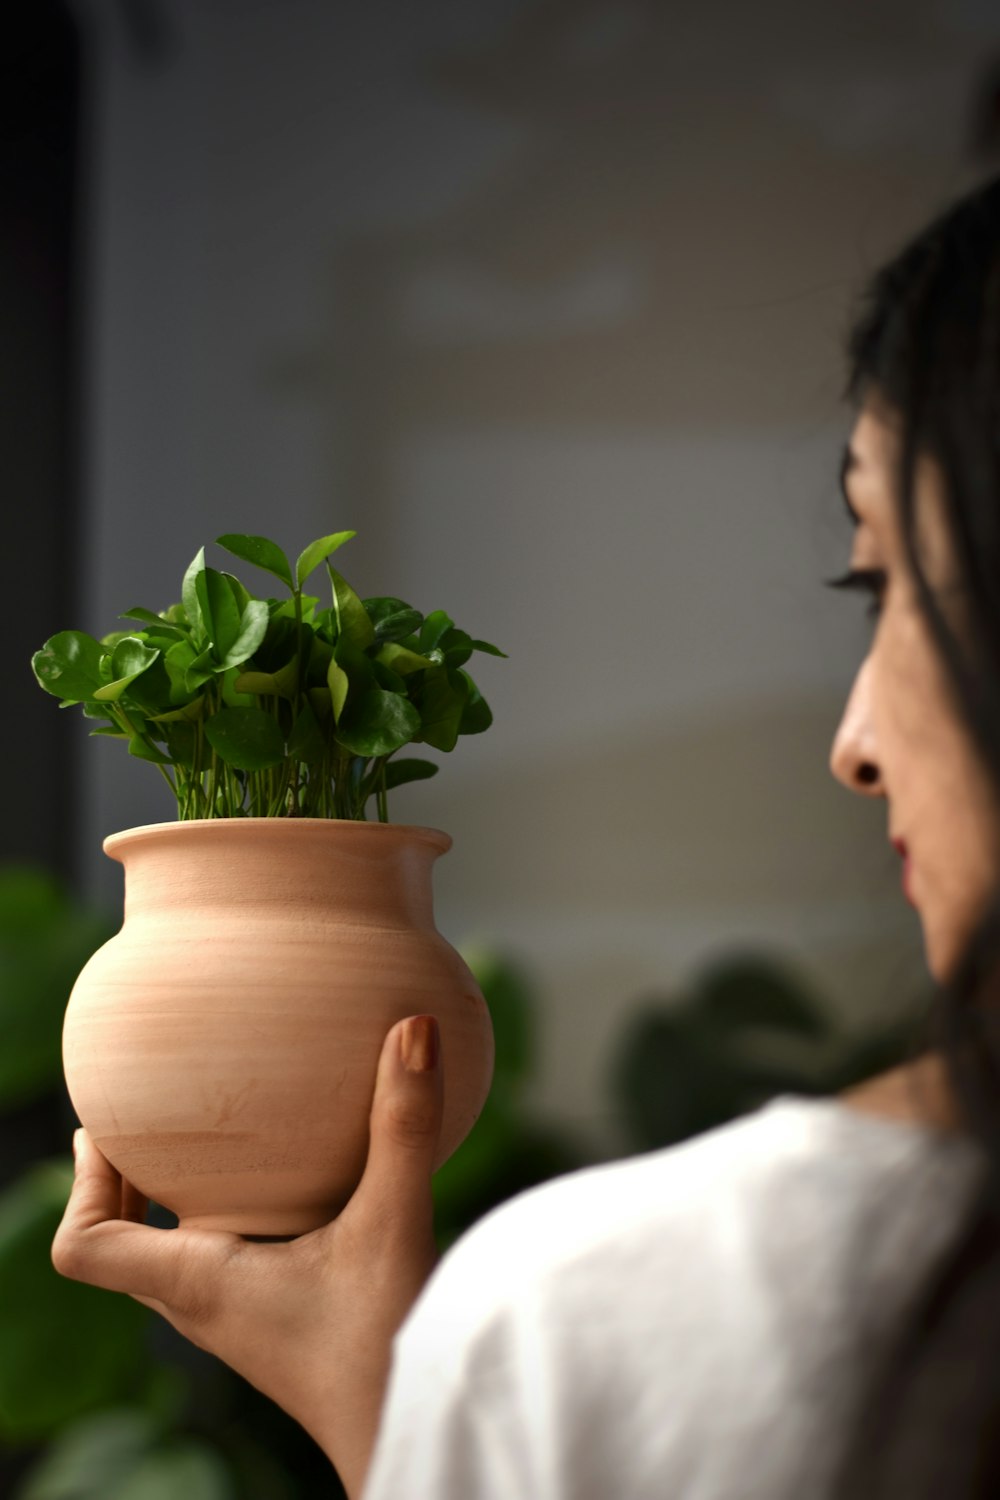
column 615, row 1316
column 795, row 1157
column 789, row 1139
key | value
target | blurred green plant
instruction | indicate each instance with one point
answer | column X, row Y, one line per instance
column 78, row 1377
column 45, row 939
column 508, row 1150
column 746, row 1031
column 67, row 1348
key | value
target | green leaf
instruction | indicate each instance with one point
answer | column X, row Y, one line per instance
column 201, row 670
column 189, row 593
column 393, row 618
column 442, row 703
column 455, row 647
column 181, row 740
column 357, row 664
column 144, row 749
column 241, row 593
column 313, row 555
column 282, row 640
column 259, row 551
column 477, row 715
column 399, row 772
column 434, row 627
column 91, row 1458
column 187, row 671
column 319, row 697
column 110, row 641
column 281, row 684
column 339, row 684
column 319, row 657
column 187, row 1467
column 253, row 629
column 402, row 660
column 121, row 1455
column 218, row 610
column 45, row 939
column 247, row 738
column 188, row 713
column 386, row 678
column 378, row 724
column 69, row 665
column 490, row 650
column 306, row 741
column 149, row 618
column 132, row 656
column 129, row 659
column 231, row 695
column 151, row 690
column 325, row 626
column 353, row 623
column 47, row 1319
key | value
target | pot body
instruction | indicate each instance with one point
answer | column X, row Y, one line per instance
column 221, row 1049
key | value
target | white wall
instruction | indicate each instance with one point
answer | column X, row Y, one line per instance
column 547, row 301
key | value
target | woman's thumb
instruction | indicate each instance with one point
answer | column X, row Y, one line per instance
column 405, row 1118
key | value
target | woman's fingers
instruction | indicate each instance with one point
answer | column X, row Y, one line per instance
column 404, row 1128
column 95, row 1244
column 103, row 1238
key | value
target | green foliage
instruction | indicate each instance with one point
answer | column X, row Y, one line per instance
column 124, row 1454
column 274, row 707
column 67, row 1348
column 507, row 1150
column 44, row 942
column 747, row 1032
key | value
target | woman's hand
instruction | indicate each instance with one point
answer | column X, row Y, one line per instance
column 309, row 1322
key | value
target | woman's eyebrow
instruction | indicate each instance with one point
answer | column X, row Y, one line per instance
column 848, row 462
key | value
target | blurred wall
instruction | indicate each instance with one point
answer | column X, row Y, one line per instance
column 547, row 300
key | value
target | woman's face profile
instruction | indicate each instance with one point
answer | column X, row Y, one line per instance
column 900, row 737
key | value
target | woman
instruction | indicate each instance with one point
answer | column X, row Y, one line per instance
column 805, row 1301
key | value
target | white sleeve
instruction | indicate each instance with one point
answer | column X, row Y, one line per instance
column 684, row 1324
column 550, row 1354
column 457, row 1423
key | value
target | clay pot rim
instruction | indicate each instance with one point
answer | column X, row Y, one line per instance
column 273, row 827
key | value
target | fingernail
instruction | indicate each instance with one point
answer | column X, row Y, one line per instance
column 420, row 1044
column 75, row 1135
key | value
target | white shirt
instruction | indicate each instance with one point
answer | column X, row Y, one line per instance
column 683, row 1325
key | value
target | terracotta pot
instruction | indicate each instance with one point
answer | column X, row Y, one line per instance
column 221, row 1048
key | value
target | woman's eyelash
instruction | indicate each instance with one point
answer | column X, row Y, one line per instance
column 870, row 581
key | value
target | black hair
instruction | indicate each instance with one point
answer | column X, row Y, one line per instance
column 925, row 344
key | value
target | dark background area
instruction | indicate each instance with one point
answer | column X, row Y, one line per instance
column 39, row 430
column 39, row 440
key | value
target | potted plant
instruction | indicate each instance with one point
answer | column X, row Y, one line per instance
column 221, row 1048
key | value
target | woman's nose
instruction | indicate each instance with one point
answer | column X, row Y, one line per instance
column 854, row 756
